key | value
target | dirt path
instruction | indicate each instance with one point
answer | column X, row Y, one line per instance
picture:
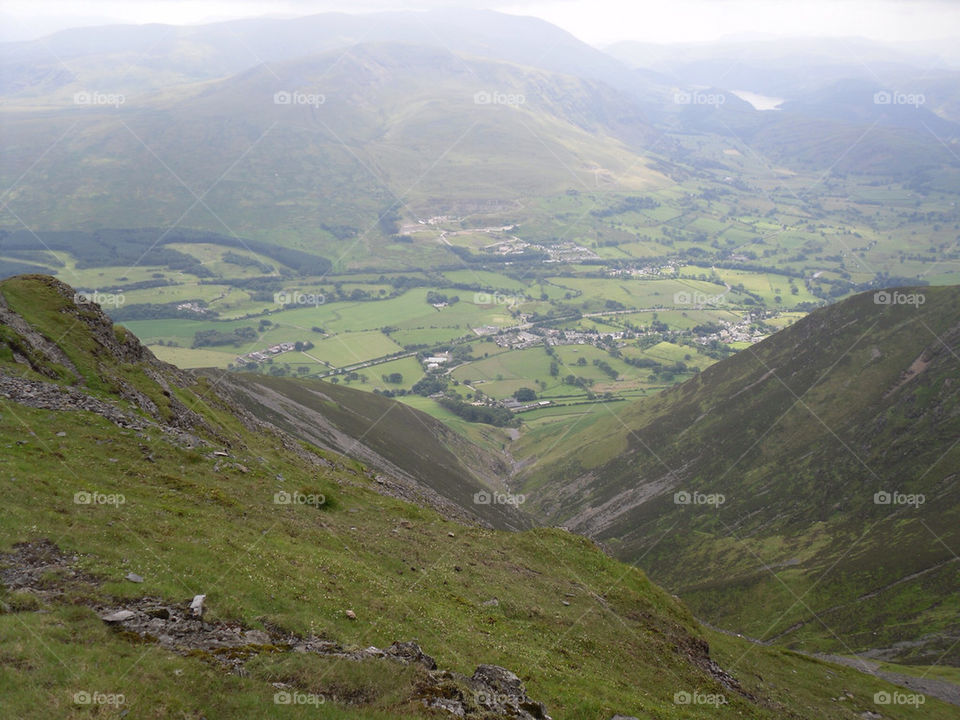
column 934, row 687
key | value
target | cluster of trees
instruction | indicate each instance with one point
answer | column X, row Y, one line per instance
column 111, row 247
column 147, row 246
column 436, row 298
column 340, row 232
column 211, row 338
column 157, row 311
column 707, row 328
column 659, row 370
column 628, row 204
column 525, row 394
column 37, row 256
column 246, row 261
column 14, row 267
column 606, row 368
column 429, row 385
column 157, row 281
column 259, row 285
column 389, row 222
column 400, row 392
column 491, row 415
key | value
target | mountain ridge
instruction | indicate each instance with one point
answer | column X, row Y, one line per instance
column 788, row 445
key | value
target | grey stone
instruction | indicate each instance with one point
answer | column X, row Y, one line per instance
column 454, row 707
column 410, row 652
column 118, row 617
column 257, row 637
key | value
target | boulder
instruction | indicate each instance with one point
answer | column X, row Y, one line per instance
column 410, row 652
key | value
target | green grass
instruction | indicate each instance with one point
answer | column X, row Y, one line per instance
column 797, row 433
column 352, row 348
column 589, row 635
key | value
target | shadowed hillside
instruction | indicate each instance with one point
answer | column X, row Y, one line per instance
column 803, row 490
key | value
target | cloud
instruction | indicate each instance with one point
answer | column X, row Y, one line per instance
column 597, row 21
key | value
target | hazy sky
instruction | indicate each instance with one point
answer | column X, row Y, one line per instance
column 596, row 21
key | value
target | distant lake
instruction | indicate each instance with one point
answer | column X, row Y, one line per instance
column 759, row 102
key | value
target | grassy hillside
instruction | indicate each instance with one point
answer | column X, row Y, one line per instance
column 384, row 433
column 357, row 139
column 100, row 483
column 803, row 490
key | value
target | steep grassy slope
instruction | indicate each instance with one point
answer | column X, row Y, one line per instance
column 797, row 435
column 381, row 432
column 190, row 508
column 367, row 133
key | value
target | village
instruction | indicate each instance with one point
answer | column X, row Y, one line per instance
column 746, row 329
column 522, row 339
column 259, row 356
column 563, row 252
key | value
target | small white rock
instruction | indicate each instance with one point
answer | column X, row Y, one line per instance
column 119, row 616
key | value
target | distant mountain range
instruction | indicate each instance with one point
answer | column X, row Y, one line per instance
column 344, row 139
column 307, row 132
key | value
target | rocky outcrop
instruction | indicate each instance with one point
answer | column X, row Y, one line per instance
column 107, row 348
column 31, row 348
column 491, row 692
column 50, row 396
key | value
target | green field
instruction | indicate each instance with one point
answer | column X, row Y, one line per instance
column 708, row 258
